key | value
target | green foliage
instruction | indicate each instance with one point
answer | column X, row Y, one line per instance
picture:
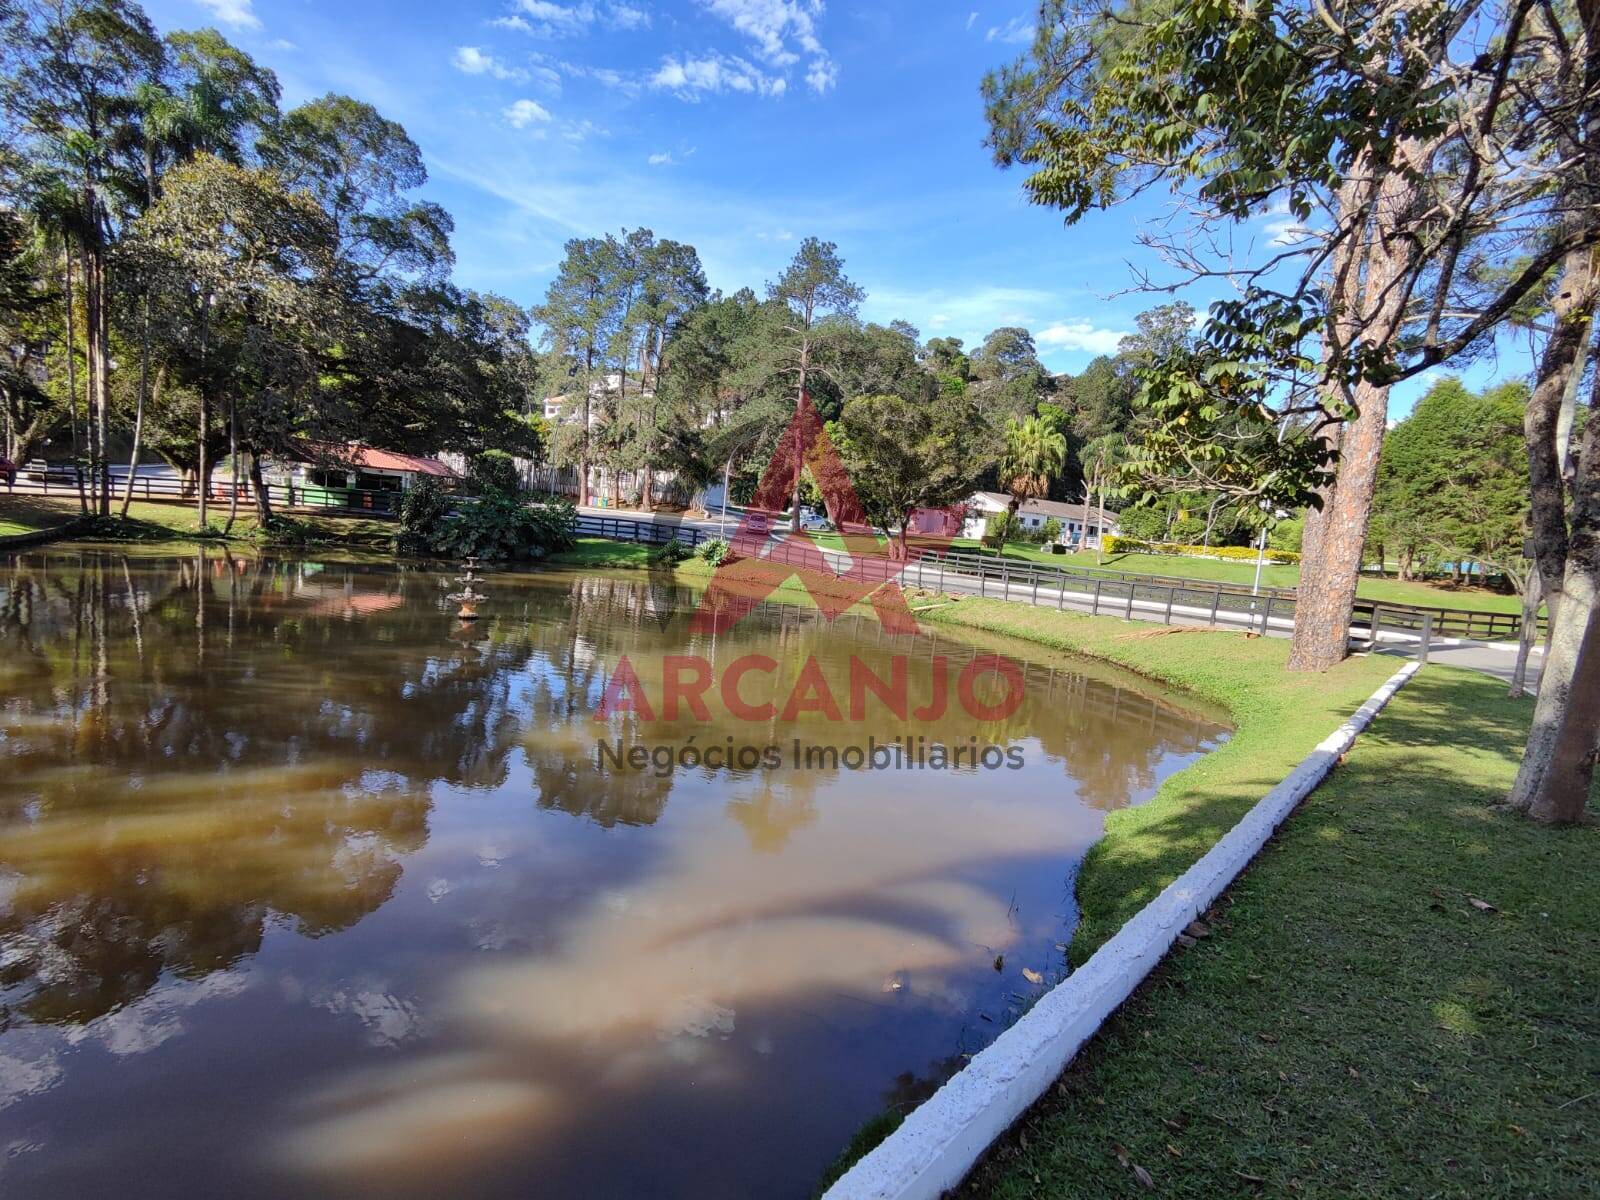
column 714, row 552
column 1288, row 534
column 1035, row 453
column 494, row 527
column 1050, row 531
column 493, row 473
column 424, row 513
column 1453, row 480
column 901, row 455
column 1000, row 528
column 671, row 553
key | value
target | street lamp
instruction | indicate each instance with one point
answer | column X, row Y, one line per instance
column 1261, row 548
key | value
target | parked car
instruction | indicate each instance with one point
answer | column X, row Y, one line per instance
column 8, row 471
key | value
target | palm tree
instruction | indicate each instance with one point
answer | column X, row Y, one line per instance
column 1102, row 460
column 1035, row 453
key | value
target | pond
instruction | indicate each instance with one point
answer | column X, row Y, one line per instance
column 309, row 889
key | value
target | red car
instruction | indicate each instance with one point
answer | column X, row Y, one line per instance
column 8, row 471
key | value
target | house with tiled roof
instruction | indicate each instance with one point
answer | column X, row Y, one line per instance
column 1080, row 524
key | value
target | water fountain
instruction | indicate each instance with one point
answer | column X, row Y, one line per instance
column 469, row 596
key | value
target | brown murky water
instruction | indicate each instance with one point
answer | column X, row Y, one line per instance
column 306, row 890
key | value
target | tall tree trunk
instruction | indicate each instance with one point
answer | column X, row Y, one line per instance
column 1570, row 777
column 205, row 464
column 259, row 485
column 1100, row 533
column 72, row 369
column 1532, row 595
column 233, row 463
column 799, row 402
column 1559, row 755
column 103, row 380
column 1335, row 534
column 138, row 412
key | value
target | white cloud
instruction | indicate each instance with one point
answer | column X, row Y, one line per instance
column 557, row 20
column 522, row 113
column 580, row 131
column 663, row 159
column 1080, row 335
column 1016, row 30
column 604, row 76
column 971, row 17
column 822, row 75
column 543, row 18
column 237, row 13
column 689, row 76
column 781, row 31
column 626, row 16
column 283, row 44
column 1287, row 232
column 472, row 61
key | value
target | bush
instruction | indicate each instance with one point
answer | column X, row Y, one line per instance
column 1128, row 545
column 493, row 473
column 715, row 551
column 1051, row 530
column 498, row 526
column 424, row 513
column 1000, row 528
column 670, row 554
column 1288, row 535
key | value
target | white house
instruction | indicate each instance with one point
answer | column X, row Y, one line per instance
column 1080, row 524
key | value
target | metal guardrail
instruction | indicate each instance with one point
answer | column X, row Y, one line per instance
column 1131, row 594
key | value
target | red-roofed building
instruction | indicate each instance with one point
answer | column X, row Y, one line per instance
column 322, row 475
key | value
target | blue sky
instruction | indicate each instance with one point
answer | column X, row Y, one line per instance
column 739, row 126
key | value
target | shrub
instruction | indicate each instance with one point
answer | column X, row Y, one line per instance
column 497, row 526
column 424, row 513
column 493, row 473
column 671, row 553
column 1128, row 545
column 1000, row 528
column 1288, row 535
column 1051, row 530
column 715, row 551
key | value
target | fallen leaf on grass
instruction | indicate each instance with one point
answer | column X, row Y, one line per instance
column 1481, row 905
column 1197, row 929
column 1143, row 1176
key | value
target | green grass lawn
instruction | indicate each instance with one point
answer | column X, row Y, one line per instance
column 1358, row 1023
column 153, row 521
column 1278, row 575
column 30, row 514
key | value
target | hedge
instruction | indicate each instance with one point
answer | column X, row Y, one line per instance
column 1124, row 545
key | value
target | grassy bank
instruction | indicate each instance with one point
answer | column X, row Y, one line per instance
column 1399, row 998
column 157, row 521
column 1278, row 718
column 32, row 514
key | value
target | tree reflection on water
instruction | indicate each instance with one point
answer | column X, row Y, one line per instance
column 213, row 760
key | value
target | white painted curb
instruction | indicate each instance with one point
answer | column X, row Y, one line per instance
column 938, row 1143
